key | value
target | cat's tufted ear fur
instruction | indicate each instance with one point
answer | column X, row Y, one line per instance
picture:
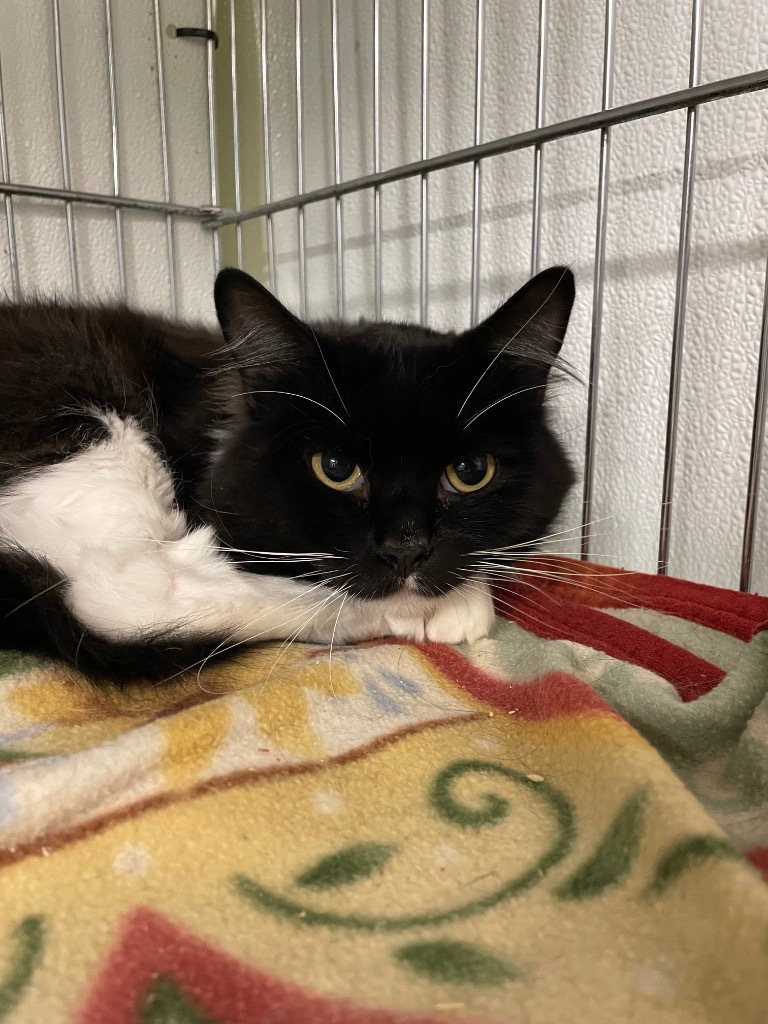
column 521, row 340
column 258, row 329
column 531, row 325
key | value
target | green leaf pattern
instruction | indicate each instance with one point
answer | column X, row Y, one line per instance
column 456, row 962
column 687, row 854
column 347, row 866
column 449, row 961
column 29, row 938
column 612, row 860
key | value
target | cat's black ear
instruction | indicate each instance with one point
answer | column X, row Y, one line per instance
column 530, row 326
column 253, row 321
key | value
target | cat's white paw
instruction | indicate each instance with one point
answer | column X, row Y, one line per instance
column 466, row 614
column 404, row 618
column 407, row 627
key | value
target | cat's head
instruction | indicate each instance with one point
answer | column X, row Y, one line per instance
column 402, row 450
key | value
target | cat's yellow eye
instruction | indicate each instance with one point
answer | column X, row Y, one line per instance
column 469, row 475
column 338, row 471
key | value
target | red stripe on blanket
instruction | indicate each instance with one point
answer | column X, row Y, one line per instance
column 554, row 619
column 153, row 952
column 759, row 859
column 599, row 586
column 551, row 695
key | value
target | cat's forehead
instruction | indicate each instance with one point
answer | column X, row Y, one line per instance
column 383, row 336
column 398, row 377
column 401, row 358
column 403, row 386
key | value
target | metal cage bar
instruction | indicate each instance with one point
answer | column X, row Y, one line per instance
column 74, row 196
column 538, row 156
column 424, row 191
column 681, row 293
column 235, row 125
column 300, row 160
column 164, row 152
column 477, row 169
column 339, row 212
column 212, row 145
column 5, row 172
column 119, row 240
column 377, row 268
column 64, row 145
column 598, row 282
column 756, row 451
column 267, row 144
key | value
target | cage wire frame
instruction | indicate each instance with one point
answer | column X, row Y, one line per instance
column 215, row 217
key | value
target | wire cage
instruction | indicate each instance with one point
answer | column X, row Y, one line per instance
column 417, row 160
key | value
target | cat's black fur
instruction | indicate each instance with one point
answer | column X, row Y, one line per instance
column 56, row 362
column 240, row 421
column 403, row 387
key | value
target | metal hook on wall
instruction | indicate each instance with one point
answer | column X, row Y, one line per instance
column 197, row 33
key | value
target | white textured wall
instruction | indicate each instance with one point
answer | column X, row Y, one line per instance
column 729, row 227
column 26, row 53
column 652, row 38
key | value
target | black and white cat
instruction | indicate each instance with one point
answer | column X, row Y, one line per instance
column 166, row 494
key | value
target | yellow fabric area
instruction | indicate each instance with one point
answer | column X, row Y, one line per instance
column 373, row 830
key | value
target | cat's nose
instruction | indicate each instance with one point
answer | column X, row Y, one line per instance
column 404, row 557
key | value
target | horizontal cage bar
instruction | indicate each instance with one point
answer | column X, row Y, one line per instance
column 67, row 195
column 663, row 104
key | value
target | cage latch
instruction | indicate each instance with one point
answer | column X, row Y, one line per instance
column 198, row 33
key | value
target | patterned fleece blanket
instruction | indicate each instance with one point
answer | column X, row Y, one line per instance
column 552, row 825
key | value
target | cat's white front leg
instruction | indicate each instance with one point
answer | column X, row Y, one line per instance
column 464, row 614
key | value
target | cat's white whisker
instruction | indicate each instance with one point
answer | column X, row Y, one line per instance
column 563, row 431
column 289, row 641
column 537, row 547
column 275, row 561
column 333, row 637
column 522, row 611
column 79, row 645
column 291, row 394
column 575, row 579
column 34, row 597
column 517, row 609
column 525, row 596
column 578, row 530
column 502, row 350
column 507, row 558
column 302, row 556
column 299, row 556
column 553, row 573
column 220, row 648
column 510, row 575
column 555, row 552
column 212, row 507
column 245, row 642
column 492, row 405
column 328, row 370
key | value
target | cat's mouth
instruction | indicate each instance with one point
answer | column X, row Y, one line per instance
column 405, row 589
column 414, row 585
